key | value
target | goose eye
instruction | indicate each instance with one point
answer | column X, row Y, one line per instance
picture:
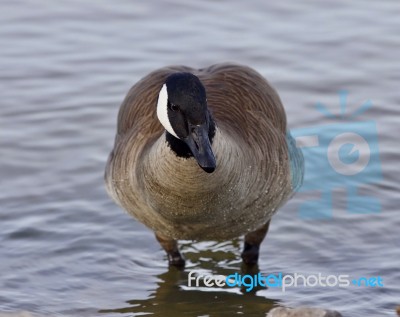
column 174, row 107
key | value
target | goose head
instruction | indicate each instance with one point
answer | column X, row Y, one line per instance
column 182, row 110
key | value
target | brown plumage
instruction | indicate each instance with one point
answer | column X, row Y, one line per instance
column 172, row 195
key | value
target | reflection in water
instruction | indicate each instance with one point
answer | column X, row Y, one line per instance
column 65, row 68
column 173, row 297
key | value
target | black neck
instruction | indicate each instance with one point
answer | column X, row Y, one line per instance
column 180, row 148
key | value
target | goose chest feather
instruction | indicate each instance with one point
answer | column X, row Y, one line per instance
column 203, row 154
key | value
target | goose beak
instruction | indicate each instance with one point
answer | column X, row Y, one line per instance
column 199, row 143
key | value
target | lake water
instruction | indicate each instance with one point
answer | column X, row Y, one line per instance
column 65, row 66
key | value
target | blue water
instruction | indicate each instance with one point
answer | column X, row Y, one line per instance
column 65, row 67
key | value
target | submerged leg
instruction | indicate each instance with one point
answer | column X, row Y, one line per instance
column 252, row 242
column 171, row 247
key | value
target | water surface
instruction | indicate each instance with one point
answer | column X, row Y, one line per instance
column 65, row 66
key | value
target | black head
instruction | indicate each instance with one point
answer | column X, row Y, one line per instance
column 182, row 110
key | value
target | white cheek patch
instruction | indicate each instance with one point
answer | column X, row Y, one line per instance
column 162, row 110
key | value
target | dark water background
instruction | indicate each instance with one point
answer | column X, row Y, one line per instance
column 65, row 66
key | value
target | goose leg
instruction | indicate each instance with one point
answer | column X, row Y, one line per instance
column 171, row 247
column 252, row 242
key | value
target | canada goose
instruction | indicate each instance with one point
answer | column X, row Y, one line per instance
column 203, row 154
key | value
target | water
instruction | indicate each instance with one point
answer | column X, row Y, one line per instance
column 65, row 66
